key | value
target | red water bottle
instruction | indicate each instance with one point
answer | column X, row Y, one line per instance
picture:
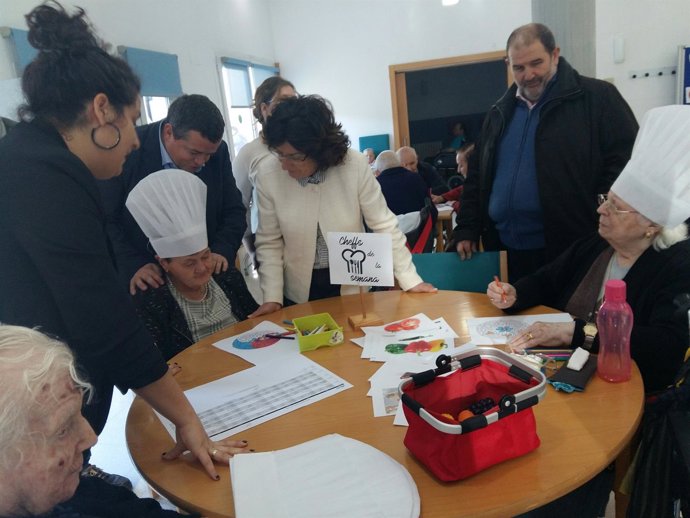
column 614, row 324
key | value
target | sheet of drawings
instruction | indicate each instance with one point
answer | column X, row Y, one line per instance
column 246, row 399
column 261, row 344
column 413, row 336
column 500, row 330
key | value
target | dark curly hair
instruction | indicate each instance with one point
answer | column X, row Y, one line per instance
column 307, row 123
column 265, row 93
column 71, row 68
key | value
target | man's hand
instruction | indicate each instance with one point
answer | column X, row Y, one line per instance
column 265, row 309
column 437, row 199
column 220, row 263
column 465, row 249
column 148, row 275
column 423, row 287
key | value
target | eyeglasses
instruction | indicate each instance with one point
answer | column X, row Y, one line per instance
column 603, row 199
column 292, row 157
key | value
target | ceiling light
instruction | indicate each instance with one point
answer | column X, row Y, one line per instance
column 449, row 2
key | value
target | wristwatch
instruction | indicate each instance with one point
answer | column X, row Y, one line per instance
column 590, row 330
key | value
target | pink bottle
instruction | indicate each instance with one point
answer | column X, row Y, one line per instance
column 614, row 324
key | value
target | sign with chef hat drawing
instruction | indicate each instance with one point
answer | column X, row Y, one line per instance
column 360, row 259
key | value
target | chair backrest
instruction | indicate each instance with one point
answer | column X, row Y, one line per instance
column 447, row 272
column 421, row 239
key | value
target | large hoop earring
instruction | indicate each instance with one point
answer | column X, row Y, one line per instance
column 101, row 146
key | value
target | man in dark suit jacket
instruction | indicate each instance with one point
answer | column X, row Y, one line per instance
column 404, row 190
column 190, row 138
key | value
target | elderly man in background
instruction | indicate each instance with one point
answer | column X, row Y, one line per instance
column 547, row 148
column 190, row 138
column 43, row 436
column 404, row 190
column 432, row 178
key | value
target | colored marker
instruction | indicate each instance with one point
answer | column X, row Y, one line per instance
column 503, row 292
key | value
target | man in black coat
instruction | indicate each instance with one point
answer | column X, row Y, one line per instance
column 553, row 142
column 190, row 138
column 433, row 180
column 403, row 190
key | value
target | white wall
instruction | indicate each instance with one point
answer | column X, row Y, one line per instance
column 199, row 32
column 652, row 30
column 341, row 49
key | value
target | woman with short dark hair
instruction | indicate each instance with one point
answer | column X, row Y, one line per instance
column 316, row 185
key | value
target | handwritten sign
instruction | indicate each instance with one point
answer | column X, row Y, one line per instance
column 360, row 259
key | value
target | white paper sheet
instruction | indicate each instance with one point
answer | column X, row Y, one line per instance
column 499, row 330
column 437, row 335
column 238, row 402
column 240, row 345
column 332, row 476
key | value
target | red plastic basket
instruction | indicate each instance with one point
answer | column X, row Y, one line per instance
column 454, row 451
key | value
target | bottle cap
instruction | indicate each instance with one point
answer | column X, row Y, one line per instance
column 614, row 291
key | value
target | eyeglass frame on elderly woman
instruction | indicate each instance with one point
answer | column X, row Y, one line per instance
column 603, row 199
column 292, row 157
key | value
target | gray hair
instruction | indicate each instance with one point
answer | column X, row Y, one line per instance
column 29, row 362
column 386, row 160
column 668, row 237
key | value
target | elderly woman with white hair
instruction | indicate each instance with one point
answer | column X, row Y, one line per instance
column 641, row 240
column 43, row 436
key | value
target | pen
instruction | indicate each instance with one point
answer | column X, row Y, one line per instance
column 414, row 338
column 281, row 335
column 503, row 292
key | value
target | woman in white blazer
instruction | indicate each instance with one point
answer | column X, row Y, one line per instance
column 318, row 185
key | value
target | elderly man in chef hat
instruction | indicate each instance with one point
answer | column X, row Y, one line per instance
column 170, row 207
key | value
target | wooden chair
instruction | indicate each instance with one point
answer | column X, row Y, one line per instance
column 447, row 272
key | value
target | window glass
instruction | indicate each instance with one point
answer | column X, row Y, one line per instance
column 240, row 79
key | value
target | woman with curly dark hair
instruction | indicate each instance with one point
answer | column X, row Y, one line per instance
column 58, row 270
column 328, row 188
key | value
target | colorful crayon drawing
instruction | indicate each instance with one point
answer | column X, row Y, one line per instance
column 420, row 346
column 407, row 324
column 254, row 340
column 506, row 328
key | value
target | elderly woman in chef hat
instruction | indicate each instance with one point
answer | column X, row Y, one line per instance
column 170, row 208
column 641, row 240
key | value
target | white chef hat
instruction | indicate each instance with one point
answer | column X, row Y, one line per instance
column 170, row 207
column 656, row 180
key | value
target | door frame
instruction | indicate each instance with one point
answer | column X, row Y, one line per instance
column 396, row 74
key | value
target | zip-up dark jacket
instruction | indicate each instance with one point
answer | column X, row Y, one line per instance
column 584, row 139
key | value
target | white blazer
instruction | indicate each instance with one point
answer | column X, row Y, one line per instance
column 289, row 214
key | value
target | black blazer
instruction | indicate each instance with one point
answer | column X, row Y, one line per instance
column 57, row 270
column 225, row 212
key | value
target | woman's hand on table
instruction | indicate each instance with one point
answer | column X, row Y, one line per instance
column 265, row 309
column 193, row 438
column 501, row 294
column 423, row 287
column 547, row 334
